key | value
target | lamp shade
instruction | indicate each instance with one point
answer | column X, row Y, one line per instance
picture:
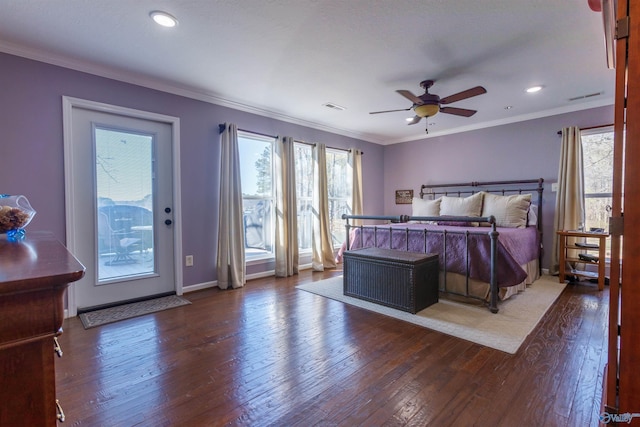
column 426, row 110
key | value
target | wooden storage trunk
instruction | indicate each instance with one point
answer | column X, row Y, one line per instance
column 406, row 281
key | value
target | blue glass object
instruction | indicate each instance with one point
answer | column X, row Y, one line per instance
column 16, row 234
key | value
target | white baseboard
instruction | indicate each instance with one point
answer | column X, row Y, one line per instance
column 213, row 284
column 261, row 274
column 199, row 286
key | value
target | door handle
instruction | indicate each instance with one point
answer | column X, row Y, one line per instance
column 167, row 221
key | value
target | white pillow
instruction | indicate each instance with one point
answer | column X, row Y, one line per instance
column 532, row 216
column 422, row 207
column 461, row 206
column 509, row 211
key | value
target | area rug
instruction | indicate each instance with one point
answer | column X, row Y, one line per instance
column 104, row 316
column 504, row 331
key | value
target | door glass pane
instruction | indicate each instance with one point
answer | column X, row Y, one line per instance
column 124, row 191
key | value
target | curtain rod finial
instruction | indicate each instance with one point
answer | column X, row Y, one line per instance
column 221, row 127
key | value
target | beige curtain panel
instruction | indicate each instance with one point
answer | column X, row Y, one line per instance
column 231, row 256
column 322, row 247
column 355, row 160
column 570, row 213
column 287, row 257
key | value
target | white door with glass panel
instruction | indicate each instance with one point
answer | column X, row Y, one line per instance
column 121, row 203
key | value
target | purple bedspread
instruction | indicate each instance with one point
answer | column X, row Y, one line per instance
column 516, row 247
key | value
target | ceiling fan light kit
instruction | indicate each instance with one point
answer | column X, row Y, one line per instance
column 426, row 110
column 428, row 105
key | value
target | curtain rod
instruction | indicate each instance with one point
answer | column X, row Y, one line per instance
column 221, row 129
column 591, row 127
column 333, row 148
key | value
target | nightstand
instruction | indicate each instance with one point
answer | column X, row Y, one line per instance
column 572, row 252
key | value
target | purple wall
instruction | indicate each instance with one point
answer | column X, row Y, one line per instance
column 31, row 148
column 31, row 156
column 523, row 150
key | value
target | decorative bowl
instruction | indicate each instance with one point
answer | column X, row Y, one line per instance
column 15, row 214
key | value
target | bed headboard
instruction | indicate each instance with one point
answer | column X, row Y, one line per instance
column 468, row 188
column 497, row 187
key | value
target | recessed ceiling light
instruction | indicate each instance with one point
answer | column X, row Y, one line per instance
column 163, row 18
column 534, row 89
column 508, row 107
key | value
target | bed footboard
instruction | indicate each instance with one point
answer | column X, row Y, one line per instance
column 469, row 239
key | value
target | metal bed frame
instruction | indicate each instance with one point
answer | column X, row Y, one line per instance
column 460, row 189
column 512, row 187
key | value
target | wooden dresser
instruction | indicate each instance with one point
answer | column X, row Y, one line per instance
column 34, row 274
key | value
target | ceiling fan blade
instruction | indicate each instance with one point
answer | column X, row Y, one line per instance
column 475, row 91
column 411, row 97
column 457, row 111
column 415, row 120
column 390, row 111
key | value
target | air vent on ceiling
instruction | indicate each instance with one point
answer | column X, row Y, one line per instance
column 585, row 96
column 333, row 106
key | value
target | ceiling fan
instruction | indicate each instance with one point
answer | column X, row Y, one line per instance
column 428, row 105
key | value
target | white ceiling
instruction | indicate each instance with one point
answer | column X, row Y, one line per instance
column 285, row 58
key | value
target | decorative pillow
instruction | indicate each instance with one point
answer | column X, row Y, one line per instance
column 532, row 216
column 422, row 207
column 461, row 206
column 509, row 211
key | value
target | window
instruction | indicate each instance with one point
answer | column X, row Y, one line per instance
column 256, row 175
column 339, row 187
column 258, row 193
column 304, row 194
column 339, row 193
column 597, row 152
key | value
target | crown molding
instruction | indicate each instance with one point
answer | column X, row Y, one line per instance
column 200, row 95
column 515, row 119
column 162, row 86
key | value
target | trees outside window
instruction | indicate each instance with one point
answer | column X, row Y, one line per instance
column 597, row 152
column 256, row 170
column 258, row 193
column 304, row 194
column 339, row 188
column 339, row 193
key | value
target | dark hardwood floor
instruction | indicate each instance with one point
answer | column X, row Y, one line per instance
column 268, row 354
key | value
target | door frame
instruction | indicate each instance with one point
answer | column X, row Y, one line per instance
column 68, row 104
